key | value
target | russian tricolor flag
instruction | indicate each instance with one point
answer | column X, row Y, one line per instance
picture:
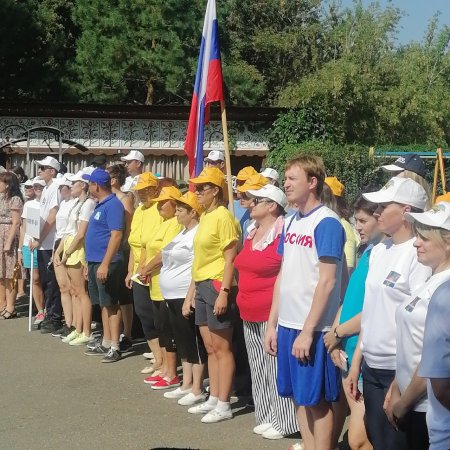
column 208, row 88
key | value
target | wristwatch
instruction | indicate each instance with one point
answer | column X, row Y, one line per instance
column 224, row 289
column 336, row 335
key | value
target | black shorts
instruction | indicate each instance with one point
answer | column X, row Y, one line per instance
column 205, row 298
column 187, row 336
column 162, row 325
column 125, row 294
column 104, row 294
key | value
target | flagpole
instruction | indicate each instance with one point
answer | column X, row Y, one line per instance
column 227, row 157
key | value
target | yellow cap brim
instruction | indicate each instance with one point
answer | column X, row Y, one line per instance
column 162, row 198
column 139, row 186
column 245, row 188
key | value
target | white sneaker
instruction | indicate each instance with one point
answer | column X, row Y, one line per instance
column 81, row 339
column 215, row 416
column 177, row 393
column 259, row 429
column 203, row 408
column 148, row 370
column 273, row 434
column 148, row 355
column 70, row 337
column 192, row 399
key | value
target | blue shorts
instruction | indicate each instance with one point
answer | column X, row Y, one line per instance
column 26, row 255
column 307, row 383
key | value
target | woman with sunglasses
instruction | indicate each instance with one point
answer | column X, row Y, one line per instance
column 394, row 274
column 145, row 223
column 11, row 205
column 258, row 265
column 215, row 247
column 175, row 281
column 166, row 377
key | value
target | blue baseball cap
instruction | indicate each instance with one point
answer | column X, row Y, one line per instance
column 98, row 176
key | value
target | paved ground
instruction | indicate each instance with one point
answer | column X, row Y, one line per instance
column 55, row 397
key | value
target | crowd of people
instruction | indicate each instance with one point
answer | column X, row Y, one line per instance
column 333, row 311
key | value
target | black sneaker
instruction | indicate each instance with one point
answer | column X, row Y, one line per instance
column 125, row 344
column 112, row 356
column 66, row 332
column 95, row 342
column 60, row 331
column 51, row 327
column 99, row 350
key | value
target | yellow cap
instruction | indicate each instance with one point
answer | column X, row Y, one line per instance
column 168, row 193
column 443, row 198
column 145, row 180
column 210, row 175
column 337, row 188
column 245, row 173
column 190, row 199
column 255, row 182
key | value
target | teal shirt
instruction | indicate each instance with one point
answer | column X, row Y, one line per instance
column 354, row 300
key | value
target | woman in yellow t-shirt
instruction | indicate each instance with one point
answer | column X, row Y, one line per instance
column 166, row 377
column 146, row 221
column 215, row 247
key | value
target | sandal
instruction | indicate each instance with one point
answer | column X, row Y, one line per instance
column 5, row 315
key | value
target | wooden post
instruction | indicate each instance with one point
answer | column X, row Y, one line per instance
column 435, row 180
column 441, row 166
column 227, row 157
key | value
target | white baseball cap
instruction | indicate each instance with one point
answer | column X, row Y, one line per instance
column 134, row 155
column 129, row 184
column 39, row 181
column 50, row 162
column 215, row 155
column 79, row 175
column 63, row 180
column 271, row 192
column 270, row 173
column 400, row 190
column 28, row 183
column 438, row 216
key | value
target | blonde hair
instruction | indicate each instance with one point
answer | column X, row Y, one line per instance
column 420, row 180
column 313, row 167
column 437, row 235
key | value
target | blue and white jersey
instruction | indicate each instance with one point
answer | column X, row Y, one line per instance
column 305, row 240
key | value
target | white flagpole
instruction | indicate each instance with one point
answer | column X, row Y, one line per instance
column 30, row 307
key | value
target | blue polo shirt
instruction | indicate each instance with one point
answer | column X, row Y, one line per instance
column 108, row 216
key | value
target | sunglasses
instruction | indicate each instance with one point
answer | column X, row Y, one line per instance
column 257, row 200
column 201, row 188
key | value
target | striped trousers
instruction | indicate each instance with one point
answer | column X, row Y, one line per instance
column 269, row 406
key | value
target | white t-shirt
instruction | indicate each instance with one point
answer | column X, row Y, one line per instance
column 306, row 239
column 29, row 204
column 62, row 216
column 50, row 199
column 80, row 211
column 176, row 271
column 394, row 274
column 410, row 320
column 435, row 363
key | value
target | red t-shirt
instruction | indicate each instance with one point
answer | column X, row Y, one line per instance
column 258, row 272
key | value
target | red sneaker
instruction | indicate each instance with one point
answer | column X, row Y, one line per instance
column 153, row 379
column 166, row 384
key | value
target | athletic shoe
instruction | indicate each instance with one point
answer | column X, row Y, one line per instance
column 154, row 378
column 163, row 383
column 148, row 355
column 125, row 344
column 192, row 399
column 203, row 408
column 148, row 370
column 99, row 350
column 66, row 332
column 215, row 416
column 177, row 393
column 94, row 342
column 63, row 329
column 73, row 335
column 81, row 339
column 260, row 429
column 39, row 319
column 112, row 356
column 273, row 434
column 52, row 326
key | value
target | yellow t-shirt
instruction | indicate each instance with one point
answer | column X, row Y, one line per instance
column 145, row 223
column 165, row 234
column 351, row 243
column 217, row 230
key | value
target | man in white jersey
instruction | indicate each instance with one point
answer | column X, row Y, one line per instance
column 306, row 299
column 134, row 162
column 49, row 205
